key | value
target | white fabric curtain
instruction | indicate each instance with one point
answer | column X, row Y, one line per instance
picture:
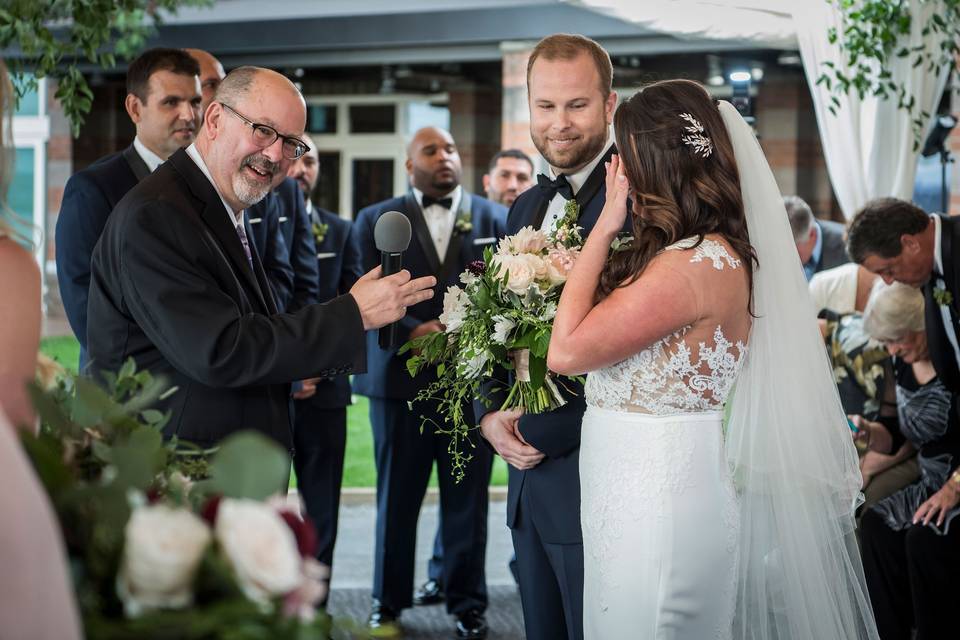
column 868, row 144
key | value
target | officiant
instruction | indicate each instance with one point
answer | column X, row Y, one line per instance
column 176, row 287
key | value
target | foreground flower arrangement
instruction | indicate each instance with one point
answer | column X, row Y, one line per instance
column 167, row 540
column 500, row 320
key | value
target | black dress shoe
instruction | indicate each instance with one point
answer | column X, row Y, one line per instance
column 471, row 625
column 429, row 593
column 384, row 619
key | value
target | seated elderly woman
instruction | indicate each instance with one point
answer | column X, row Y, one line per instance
column 911, row 539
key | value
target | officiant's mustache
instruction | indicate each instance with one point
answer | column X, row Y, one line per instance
column 261, row 164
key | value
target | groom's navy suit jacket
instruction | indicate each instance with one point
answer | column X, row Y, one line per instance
column 553, row 486
column 941, row 351
column 387, row 375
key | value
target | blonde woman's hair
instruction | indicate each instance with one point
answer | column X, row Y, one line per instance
column 893, row 310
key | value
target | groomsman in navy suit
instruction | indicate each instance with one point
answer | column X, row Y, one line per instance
column 451, row 228
column 320, row 431
column 163, row 101
column 569, row 86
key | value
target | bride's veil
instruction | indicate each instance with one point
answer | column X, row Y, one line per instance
column 788, row 444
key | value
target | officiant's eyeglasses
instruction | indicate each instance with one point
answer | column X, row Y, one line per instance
column 264, row 135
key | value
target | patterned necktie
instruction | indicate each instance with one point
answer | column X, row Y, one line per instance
column 246, row 244
column 550, row 188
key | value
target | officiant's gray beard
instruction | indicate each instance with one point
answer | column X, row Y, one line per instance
column 250, row 194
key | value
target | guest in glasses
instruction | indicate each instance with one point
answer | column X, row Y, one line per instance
column 176, row 286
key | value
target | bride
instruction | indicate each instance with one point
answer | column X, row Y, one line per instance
column 693, row 530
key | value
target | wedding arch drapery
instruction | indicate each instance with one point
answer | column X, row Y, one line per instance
column 868, row 144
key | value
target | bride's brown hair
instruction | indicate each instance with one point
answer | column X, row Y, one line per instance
column 676, row 192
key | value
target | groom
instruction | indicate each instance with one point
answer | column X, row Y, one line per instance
column 569, row 87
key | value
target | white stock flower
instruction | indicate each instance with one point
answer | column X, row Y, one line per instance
column 455, row 305
column 474, row 366
column 261, row 548
column 162, row 550
column 501, row 329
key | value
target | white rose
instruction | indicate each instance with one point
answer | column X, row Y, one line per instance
column 502, row 328
column 520, row 272
column 162, row 549
column 455, row 305
column 260, row 547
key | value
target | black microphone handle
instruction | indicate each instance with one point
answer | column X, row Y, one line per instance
column 390, row 264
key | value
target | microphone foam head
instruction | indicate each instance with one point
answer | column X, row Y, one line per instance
column 391, row 234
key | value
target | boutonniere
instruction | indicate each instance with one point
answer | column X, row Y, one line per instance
column 943, row 297
column 567, row 232
column 319, row 231
column 462, row 224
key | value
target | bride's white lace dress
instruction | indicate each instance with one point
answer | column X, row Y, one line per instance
column 658, row 507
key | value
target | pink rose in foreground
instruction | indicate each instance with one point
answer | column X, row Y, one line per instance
column 560, row 263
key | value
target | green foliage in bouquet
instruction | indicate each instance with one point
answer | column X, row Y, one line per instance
column 116, row 486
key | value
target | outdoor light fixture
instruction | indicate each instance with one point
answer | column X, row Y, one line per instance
column 740, row 80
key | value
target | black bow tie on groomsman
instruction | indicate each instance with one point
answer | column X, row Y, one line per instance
column 550, row 188
column 446, row 203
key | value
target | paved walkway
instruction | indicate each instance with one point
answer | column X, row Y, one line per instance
column 353, row 574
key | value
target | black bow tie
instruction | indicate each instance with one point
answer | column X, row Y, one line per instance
column 549, row 188
column 446, row 203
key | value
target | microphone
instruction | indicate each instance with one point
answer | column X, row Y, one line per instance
column 391, row 234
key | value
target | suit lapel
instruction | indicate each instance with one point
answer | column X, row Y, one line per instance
column 420, row 230
column 452, row 259
column 215, row 217
column 136, row 163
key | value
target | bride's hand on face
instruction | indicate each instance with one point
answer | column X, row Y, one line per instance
column 615, row 209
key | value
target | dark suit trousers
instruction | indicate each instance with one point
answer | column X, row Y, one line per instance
column 320, row 437
column 912, row 576
column 551, row 581
column 404, row 459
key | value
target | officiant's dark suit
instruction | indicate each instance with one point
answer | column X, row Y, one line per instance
column 543, row 503
column 173, row 289
column 941, row 350
column 404, row 455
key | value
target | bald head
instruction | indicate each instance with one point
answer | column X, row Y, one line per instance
column 433, row 162
column 211, row 74
column 246, row 161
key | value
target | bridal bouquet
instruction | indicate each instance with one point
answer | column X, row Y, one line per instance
column 166, row 542
column 501, row 317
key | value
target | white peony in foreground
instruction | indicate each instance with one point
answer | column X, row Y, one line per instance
column 162, row 550
column 261, row 548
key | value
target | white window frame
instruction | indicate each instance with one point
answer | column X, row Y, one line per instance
column 33, row 132
column 367, row 146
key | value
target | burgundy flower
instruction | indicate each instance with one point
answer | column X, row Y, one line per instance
column 209, row 510
column 303, row 530
column 477, row 267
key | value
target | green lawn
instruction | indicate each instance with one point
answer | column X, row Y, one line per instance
column 358, row 469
